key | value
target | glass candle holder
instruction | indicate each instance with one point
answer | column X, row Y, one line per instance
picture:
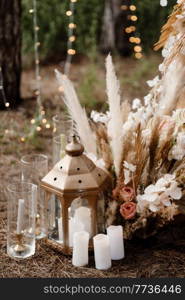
column 21, row 198
column 34, row 167
column 61, row 125
column 62, row 129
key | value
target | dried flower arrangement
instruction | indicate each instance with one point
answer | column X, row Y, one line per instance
column 143, row 145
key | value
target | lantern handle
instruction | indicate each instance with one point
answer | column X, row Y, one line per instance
column 74, row 148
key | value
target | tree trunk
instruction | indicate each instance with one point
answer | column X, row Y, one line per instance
column 107, row 42
column 115, row 20
column 10, row 50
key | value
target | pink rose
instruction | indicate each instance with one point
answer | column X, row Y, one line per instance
column 127, row 194
column 115, row 194
column 128, row 210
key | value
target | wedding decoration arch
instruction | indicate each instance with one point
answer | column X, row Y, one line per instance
column 143, row 145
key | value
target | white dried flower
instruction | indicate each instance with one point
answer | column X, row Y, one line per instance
column 160, row 195
column 163, row 3
column 153, row 82
column 147, row 99
column 178, row 150
column 100, row 117
column 136, row 103
column 129, row 169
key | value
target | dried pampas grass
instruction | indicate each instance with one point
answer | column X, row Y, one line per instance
column 172, row 82
column 116, row 121
column 168, row 28
column 78, row 114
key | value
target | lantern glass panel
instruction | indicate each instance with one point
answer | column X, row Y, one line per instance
column 80, row 217
column 54, row 217
column 101, row 212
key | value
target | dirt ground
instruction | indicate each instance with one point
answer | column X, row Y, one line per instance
column 162, row 256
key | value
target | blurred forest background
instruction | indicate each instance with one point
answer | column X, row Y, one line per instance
column 100, row 29
column 53, row 24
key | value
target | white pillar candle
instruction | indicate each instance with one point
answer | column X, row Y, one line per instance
column 83, row 215
column 102, row 252
column 60, row 229
column 115, row 234
column 80, row 249
column 20, row 216
column 73, row 227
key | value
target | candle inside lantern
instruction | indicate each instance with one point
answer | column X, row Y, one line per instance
column 20, row 216
column 73, row 228
column 102, row 252
column 115, row 234
column 80, row 249
column 83, row 216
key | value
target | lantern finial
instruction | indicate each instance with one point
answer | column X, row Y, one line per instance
column 74, row 148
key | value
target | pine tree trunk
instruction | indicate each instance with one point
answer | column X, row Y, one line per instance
column 10, row 50
column 115, row 21
column 107, row 42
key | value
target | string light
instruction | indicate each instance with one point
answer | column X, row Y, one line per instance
column 38, row 128
column 72, row 25
column 124, row 7
column 71, row 51
column 132, row 30
column 71, row 37
column 138, row 55
column 44, row 121
column 69, row 13
column 137, row 48
column 133, row 18
column 132, row 7
column 48, row 126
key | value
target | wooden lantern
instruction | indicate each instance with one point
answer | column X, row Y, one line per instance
column 77, row 183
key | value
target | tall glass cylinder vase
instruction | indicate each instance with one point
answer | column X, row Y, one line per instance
column 34, row 168
column 62, row 129
column 21, row 198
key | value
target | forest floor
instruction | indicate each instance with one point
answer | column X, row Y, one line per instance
column 156, row 257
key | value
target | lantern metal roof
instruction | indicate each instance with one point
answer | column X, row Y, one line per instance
column 75, row 172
